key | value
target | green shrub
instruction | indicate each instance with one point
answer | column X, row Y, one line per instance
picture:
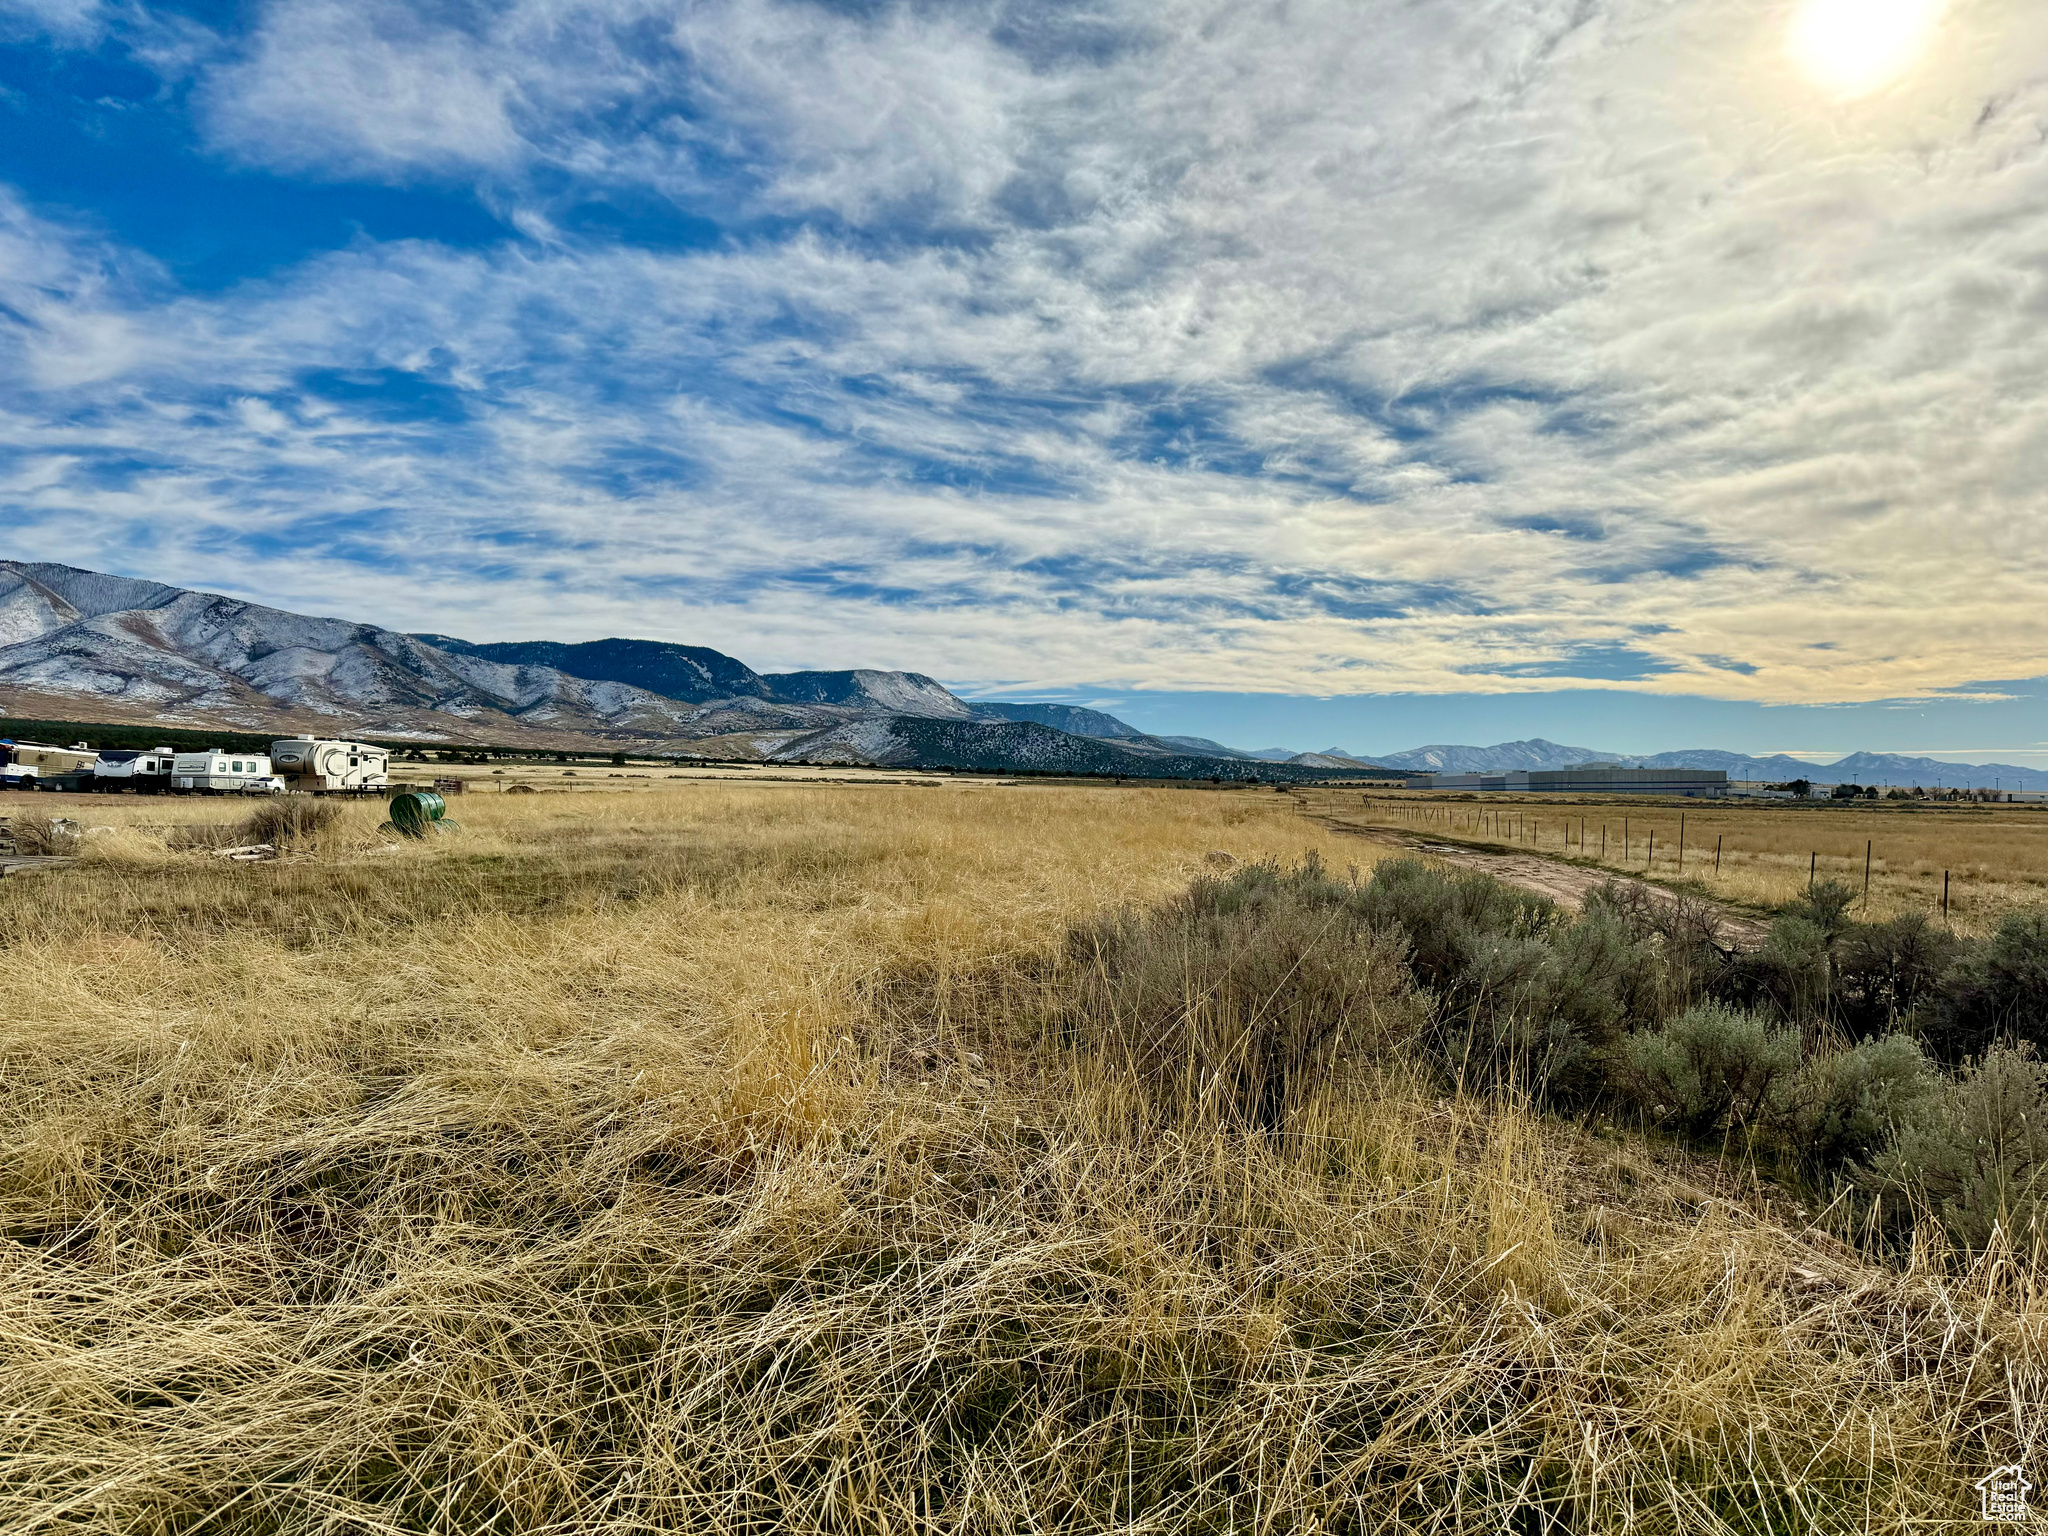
column 1788, row 976
column 1883, row 970
column 1242, row 996
column 1498, row 1026
column 1976, row 1152
column 1825, row 904
column 1524, row 996
column 1710, row 1068
column 1996, row 991
column 1546, row 1011
column 1679, row 936
column 1448, row 918
column 1843, row 1107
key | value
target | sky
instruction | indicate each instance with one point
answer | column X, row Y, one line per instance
column 1637, row 373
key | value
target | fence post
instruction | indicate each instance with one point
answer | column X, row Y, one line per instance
column 1812, row 867
column 1944, row 895
column 1866, row 872
column 1681, row 845
column 1717, row 852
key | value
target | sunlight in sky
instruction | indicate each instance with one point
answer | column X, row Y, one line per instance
column 1559, row 355
column 1855, row 47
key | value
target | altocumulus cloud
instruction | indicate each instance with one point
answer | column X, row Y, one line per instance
column 1343, row 347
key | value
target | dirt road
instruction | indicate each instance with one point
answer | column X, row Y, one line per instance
column 1566, row 884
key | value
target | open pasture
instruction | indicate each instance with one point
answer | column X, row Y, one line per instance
column 1996, row 856
column 698, row 1158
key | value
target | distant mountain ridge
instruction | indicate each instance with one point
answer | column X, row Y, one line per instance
column 896, row 693
column 1507, row 757
column 1879, row 768
column 73, row 641
column 143, row 647
column 1011, row 746
column 1074, row 720
column 695, row 674
column 77, row 643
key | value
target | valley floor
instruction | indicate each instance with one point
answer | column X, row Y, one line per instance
column 706, row 1156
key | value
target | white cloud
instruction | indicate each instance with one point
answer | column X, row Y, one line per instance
column 67, row 20
column 363, row 88
column 1326, row 347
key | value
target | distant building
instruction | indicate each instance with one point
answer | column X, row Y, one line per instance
column 1696, row 783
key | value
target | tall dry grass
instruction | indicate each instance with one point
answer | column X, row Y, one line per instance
column 1995, row 855
column 703, row 1162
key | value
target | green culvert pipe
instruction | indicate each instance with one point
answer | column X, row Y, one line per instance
column 414, row 812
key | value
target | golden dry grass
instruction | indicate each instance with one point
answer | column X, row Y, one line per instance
column 1996, row 856
column 691, row 1161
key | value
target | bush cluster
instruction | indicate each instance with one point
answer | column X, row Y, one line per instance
column 1241, row 997
column 1824, row 1048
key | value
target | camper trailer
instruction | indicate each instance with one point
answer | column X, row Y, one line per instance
column 144, row 772
column 223, row 773
column 329, row 767
column 24, row 763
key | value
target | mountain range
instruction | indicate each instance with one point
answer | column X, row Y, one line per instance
column 1880, row 768
column 79, row 643
column 76, row 642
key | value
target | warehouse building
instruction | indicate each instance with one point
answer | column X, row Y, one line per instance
column 1695, row 783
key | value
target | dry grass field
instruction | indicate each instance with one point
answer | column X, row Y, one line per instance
column 1996, row 855
column 696, row 1156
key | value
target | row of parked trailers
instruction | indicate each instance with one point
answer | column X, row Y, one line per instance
column 303, row 764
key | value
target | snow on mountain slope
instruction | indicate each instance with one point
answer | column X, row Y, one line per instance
column 1508, row 756
column 1202, row 746
column 83, row 636
column 1327, row 760
column 695, row 674
column 1019, row 746
column 1071, row 718
column 896, row 693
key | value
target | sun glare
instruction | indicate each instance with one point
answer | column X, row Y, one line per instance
column 1854, row 47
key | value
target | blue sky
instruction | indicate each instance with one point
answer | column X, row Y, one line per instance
column 1354, row 373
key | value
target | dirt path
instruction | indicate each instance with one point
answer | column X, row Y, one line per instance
column 1566, row 884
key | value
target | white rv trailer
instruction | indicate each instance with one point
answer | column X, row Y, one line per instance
column 223, row 773
column 144, row 772
column 325, row 767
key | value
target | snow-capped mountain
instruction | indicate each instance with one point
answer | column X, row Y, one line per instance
column 693, row 673
column 142, row 647
column 891, row 693
column 1202, row 746
column 76, row 642
column 1507, row 757
column 1010, row 746
column 1075, row 721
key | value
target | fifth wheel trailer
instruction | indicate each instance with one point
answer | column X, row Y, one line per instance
column 144, row 772
column 328, row 767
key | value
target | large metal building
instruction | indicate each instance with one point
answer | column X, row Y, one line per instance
column 1694, row 783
